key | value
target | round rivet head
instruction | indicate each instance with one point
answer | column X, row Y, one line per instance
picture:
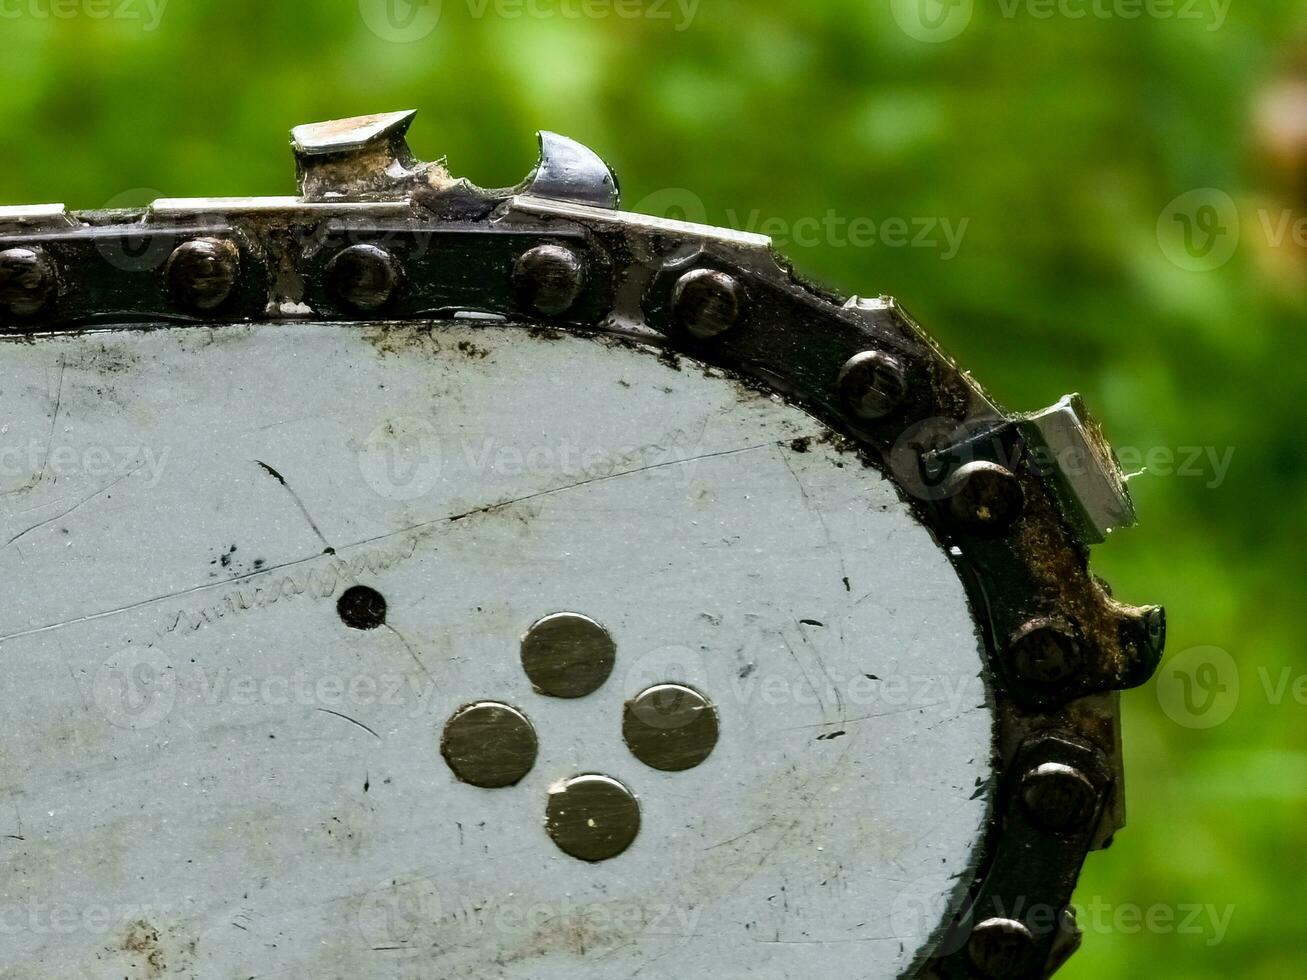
column 872, row 385
column 592, row 817
column 363, row 277
column 670, row 727
column 567, row 655
column 203, row 272
column 998, row 947
column 1045, row 652
column 1059, row 797
column 984, row 497
column 549, row 279
column 489, row 744
column 27, row 281
column 706, row 303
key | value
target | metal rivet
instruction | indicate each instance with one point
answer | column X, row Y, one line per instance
column 362, row 608
column 549, row 279
column 1045, row 652
column 592, row 817
column 706, row 302
column 998, row 947
column 203, row 272
column 871, row 385
column 1059, row 797
column 363, row 277
column 27, row 281
column 670, row 727
column 567, row 655
column 985, row 497
column 489, row 745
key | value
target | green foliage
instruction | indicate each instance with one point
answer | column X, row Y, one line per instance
column 1060, row 143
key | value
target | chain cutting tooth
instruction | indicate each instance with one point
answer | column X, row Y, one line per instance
column 359, row 155
column 570, row 171
column 1086, row 474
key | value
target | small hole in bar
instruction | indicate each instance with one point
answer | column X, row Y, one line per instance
column 362, row 608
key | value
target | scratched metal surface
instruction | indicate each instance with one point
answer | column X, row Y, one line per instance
column 205, row 773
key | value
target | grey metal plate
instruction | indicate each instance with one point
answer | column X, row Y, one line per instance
column 205, row 773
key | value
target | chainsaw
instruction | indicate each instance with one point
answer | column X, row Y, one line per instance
column 415, row 580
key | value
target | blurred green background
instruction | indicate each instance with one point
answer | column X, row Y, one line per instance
column 1062, row 151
